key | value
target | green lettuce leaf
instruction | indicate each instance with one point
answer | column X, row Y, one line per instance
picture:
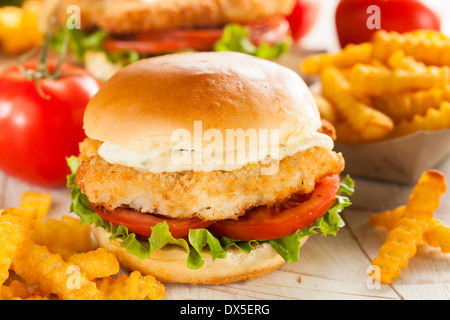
column 235, row 37
column 287, row 247
column 81, row 42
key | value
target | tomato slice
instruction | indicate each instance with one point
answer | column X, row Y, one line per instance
column 270, row 30
column 165, row 41
column 263, row 223
column 260, row 223
column 141, row 223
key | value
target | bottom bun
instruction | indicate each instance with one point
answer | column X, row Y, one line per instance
column 168, row 264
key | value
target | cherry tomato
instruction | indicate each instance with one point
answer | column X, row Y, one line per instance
column 141, row 223
column 303, row 17
column 262, row 223
column 394, row 15
column 38, row 132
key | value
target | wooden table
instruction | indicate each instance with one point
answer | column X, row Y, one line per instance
column 329, row 268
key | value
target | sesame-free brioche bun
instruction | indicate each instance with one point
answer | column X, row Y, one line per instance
column 168, row 264
column 141, row 105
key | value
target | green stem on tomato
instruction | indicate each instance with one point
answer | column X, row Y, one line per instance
column 41, row 71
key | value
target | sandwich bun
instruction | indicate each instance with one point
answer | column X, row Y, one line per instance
column 168, row 264
column 141, row 106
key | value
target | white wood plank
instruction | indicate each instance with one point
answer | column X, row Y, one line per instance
column 329, row 268
column 60, row 197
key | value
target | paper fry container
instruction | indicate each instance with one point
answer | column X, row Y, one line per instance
column 401, row 159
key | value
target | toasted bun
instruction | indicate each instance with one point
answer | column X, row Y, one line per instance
column 141, row 106
column 168, row 264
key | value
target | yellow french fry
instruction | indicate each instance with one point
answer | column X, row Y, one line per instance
column 40, row 201
column 369, row 123
column 401, row 244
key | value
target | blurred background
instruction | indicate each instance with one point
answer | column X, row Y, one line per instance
column 323, row 33
column 114, row 34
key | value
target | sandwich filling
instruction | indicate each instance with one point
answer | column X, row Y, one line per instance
column 211, row 210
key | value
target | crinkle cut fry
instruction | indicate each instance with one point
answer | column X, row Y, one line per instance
column 37, row 200
column 133, row 287
column 15, row 225
column 368, row 80
column 97, row 263
column 37, row 265
column 406, row 105
column 347, row 57
column 430, row 48
column 368, row 122
column 437, row 235
column 15, row 290
column 402, row 241
column 434, row 119
column 64, row 236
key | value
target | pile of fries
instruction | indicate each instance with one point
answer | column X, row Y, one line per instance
column 392, row 86
column 411, row 225
column 57, row 259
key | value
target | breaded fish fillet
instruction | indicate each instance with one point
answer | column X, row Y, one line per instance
column 213, row 195
column 132, row 16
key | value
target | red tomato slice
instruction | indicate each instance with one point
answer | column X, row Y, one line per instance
column 263, row 223
column 166, row 41
column 141, row 223
column 269, row 30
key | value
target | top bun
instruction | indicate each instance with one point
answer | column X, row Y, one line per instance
column 141, row 105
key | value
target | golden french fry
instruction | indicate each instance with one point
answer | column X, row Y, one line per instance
column 15, row 290
column 37, row 265
column 398, row 60
column 133, row 287
column 401, row 244
column 374, row 81
column 40, row 201
column 431, row 48
column 403, row 107
column 326, row 109
column 347, row 57
column 437, row 235
column 369, row 123
column 434, row 119
column 64, row 235
column 388, row 219
column 15, row 224
column 98, row 263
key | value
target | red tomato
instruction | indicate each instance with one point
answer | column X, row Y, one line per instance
column 262, row 223
column 395, row 15
column 303, row 17
column 259, row 223
column 141, row 223
column 166, row 41
column 37, row 133
column 270, row 30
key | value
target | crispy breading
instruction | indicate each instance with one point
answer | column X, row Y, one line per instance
column 210, row 195
column 131, row 16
